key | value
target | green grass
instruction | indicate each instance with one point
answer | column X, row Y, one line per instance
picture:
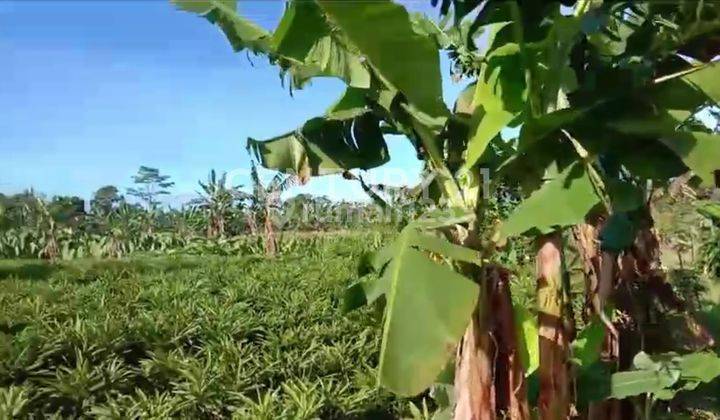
column 200, row 337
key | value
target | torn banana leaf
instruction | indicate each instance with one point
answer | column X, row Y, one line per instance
column 324, row 146
column 240, row 32
column 305, row 37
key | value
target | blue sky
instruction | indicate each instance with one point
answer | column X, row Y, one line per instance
column 91, row 90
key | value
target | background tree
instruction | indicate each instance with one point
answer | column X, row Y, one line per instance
column 265, row 205
column 150, row 186
column 217, row 200
column 67, row 210
column 18, row 208
column 105, row 199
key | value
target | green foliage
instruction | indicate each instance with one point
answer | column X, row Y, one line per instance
column 240, row 32
column 656, row 375
column 325, row 146
column 604, row 95
column 217, row 200
column 150, row 185
column 417, row 344
column 105, row 199
column 190, row 337
column 618, row 233
column 398, row 54
column 564, row 201
column 587, row 345
column 664, row 375
column 710, row 248
column 526, row 330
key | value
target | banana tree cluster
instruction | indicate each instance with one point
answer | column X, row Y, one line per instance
column 216, row 200
column 599, row 94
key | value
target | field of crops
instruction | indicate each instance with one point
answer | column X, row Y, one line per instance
column 211, row 336
column 549, row 248
column 187, row 336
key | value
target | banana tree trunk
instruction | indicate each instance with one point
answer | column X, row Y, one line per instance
column 510, row 386
column 270, row 240
column 251, row 223
column 554, row 398
column 474, row 390
column 220, row 225
column 489, row 376
column 600, row 278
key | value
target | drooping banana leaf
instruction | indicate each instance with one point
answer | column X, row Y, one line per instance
column 428, row 303
column 700, row 151
column 328, row 57
column 351, row 104
column 304, row 45
column 304, row 36
column 300, row 28
column 428, row 307
column 240, row 32
column 383, row 33
column 324, row 146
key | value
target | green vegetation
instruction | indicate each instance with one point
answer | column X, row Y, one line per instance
column 153, row 337
column 579, row 280
column 607, row 97
column 223, row 220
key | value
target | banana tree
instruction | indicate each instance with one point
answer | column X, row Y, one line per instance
column 600, row 92
column 47, row 230
column 217, row 200
column 264, row 205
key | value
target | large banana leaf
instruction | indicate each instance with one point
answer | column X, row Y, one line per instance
column 305, row 37
column 329, row 58
column 428, row 307
column 499, row 97
column 562, row 201
column 241, row 32
column 324, row 146
column 700, row 151
column 660, row 374
column 672, row 102
column 303, row 44
column 706, row 79
column 300, row 28
column 428, row 304
column 383, row 33
column 636, row 382
column 351, row 104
